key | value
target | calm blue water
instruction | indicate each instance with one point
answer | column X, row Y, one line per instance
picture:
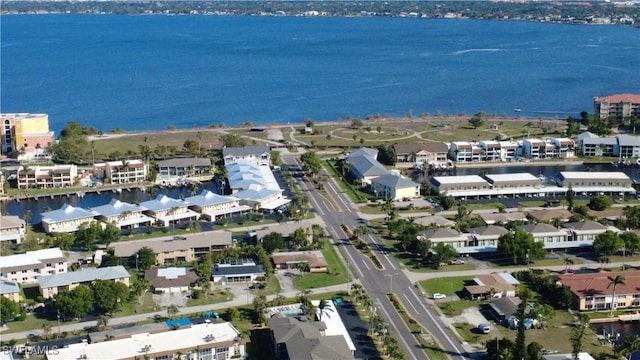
column 146, row 72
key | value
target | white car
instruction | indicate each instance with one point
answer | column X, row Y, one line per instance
column 438, row 296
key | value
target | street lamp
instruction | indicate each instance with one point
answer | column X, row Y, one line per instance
column 390, row 281
column 58, row 323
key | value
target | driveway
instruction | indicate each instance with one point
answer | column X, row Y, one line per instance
column 286, row 280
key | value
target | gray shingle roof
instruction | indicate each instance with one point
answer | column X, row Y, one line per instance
column 489, row 230
column 539, row 228
column 367, row 166
column 8, row 287
column 245, row 151
column 9, row 221
column 440, row 233
column 304, row 342
column 364, row 151
column 585, row 226
column 82, row 276
column 628, row 140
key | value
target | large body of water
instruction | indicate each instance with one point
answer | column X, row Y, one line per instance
column 147, row 72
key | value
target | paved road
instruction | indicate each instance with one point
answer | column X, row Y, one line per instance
column 341, row 211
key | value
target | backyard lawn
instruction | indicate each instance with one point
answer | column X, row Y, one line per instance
column 337, row 272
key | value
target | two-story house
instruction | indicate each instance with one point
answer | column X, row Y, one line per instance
column 51, row 285
column 260, row 155
column 46, row 177
column 214, row 206
column 123, row 215
column 28, row 267
column 67, row 219
column 121, row 172
column 551, row 237
column 12, row 229
column 167, row 211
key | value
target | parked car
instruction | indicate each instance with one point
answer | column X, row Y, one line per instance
column 457, row 262
column 438, row 296
column 484, row 328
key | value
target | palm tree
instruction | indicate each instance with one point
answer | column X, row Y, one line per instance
column 618, row 280
column 323, row 307
column 567, row 261
column 102, row 322
column 172, row 310
column 46, row 329
column 173, row 212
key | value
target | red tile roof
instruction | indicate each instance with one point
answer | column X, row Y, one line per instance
column 618, row 98
column 597, row 283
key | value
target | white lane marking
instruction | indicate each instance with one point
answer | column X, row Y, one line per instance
column 433, row 319
column 365, row 264
column 379, row 248
column 397, row 330
column 337, row 196
column 351, row 260
column 409, row 301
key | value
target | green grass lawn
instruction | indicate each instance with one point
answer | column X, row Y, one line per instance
column 337, row 272
column 215, row 296
column 445, row 286
column 271, row 287
column 455, row 308
column 467, row 332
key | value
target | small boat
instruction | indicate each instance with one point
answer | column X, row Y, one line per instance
column 517, row 110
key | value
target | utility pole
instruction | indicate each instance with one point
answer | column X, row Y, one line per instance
column 58, row 323
column 390, row 281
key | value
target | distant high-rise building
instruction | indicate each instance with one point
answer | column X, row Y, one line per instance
column 26, row 132
column 620, row 106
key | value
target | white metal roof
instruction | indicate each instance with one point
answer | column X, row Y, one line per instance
column 464, row 179
column 335, row 325
column 134, row 346
column 31, row 257
column 617, row 175
column 512, row 177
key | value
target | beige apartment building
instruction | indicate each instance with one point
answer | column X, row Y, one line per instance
column 592, row 291
column 121, row 172
column 619, row 105
column 46, row 177
column 12, row 229
column 28, row 267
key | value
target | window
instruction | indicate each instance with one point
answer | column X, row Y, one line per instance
column 49, row 265
column 164, row 357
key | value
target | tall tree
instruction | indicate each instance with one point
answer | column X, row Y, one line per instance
column 74, row 303
column 272, row 242
column 145, row 258
column 109, row 295
column 577, row 335
column 519, row 245
column 570, row 197
column 8, row 310
column 232, row 140
column 607, row 243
